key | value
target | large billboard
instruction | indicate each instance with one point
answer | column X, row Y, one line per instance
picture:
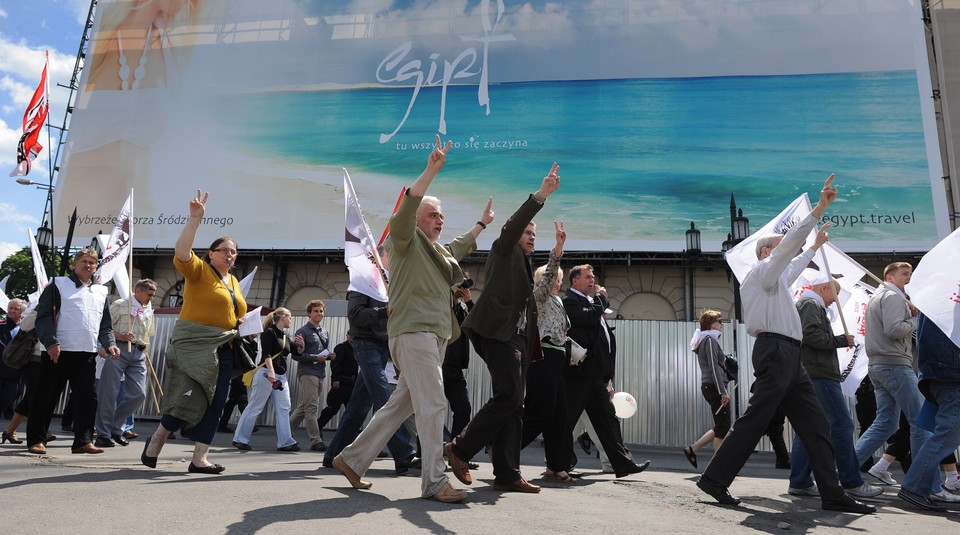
column 656, row 110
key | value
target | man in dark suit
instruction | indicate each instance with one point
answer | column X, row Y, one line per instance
column 590, row 384
column 503, row 329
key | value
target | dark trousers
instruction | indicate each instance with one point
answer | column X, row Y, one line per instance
column 9, row 390
column 336, row 398
column 80, row 369
column 545, row 408
column 455, row 390
column 590, row 394
column 31, row 375
column 236, row 399
column 500, row 420
column 781, row 382
column 205, row 430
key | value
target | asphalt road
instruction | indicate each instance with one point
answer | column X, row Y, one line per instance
column 265, row 491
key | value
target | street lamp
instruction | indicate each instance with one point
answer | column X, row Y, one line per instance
column 28, row 182
column 692, row 251
column 44, row 237
column 739, row 230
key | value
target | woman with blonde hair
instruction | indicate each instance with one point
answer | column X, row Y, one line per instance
column 713, row 382
column 270, row 382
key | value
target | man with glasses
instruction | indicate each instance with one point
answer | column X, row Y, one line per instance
column 133, row 326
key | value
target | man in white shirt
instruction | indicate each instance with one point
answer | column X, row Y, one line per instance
column 770, row 316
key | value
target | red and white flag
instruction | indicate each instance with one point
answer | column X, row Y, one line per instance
column 360, row 249
column 33, row 119
column 118, row 245
column 935, row 286
column 853, row 360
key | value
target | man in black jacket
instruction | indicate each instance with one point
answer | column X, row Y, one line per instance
column 590, row 385
column 503, row 329
column 343, row 375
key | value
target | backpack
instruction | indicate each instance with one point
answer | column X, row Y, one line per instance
column 19, row 351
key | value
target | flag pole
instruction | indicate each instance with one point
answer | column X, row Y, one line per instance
column 386, row 230
column 833, row 291
column 886, row 285
column 130, row 277
column 155, row 382
column 46, row 93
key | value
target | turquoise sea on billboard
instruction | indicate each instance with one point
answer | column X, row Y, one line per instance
column 639, row 158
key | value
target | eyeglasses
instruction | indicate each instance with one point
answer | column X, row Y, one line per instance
column 225, row 250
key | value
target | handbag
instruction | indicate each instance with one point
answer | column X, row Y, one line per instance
column 248, row 375
column 19, row 351
column 731, row 367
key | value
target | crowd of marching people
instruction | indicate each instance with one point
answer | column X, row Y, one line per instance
column 550, row 357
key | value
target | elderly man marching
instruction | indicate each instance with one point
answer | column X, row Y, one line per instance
column 133, row 326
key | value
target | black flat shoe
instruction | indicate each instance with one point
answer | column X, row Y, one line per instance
column 691, row 455
column 718, row 492
column 635, row 469
column 846, row 504
column 241, row 446
column 212, row 469
column 146, row 460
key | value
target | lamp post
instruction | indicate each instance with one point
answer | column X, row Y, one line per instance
column 692, row 251
column 739, row 230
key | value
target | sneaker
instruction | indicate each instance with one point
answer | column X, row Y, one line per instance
column 865, row 491
column 319, row 446
column 952, row 486
column 808, row 491
column 945, row 497
column 883, row 476
column 920, row 501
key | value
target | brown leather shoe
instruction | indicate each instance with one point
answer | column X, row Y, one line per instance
column 448, row 494
column 87, row 448
column 130, row 435
column 38, row 449
column 460, row 467
column 519, row 485
column 348, row 473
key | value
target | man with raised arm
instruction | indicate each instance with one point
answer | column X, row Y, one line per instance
column 420, row 324
column 503, row 329
column 770, row 316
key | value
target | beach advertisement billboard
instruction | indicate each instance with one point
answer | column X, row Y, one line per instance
column 655, row 110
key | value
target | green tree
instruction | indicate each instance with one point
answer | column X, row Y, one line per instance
column 19, row 266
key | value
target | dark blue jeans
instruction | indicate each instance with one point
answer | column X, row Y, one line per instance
column 204, row 431
column 370, row 393
column 841, row 434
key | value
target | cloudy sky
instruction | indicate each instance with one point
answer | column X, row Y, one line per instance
column 27, row 29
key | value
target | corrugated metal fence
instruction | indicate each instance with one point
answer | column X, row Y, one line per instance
column 654, row 363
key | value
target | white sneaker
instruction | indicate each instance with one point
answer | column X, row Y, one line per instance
column 883, row 476
column 864, row 491
column 946, row 497
column 952, row 486
column 954, row 491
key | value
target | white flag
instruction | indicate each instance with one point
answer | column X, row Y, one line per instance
column 853, row 360
column 247, row 282
column 935, row 286
column 830, row 261
column 38, row 269
column 743, row 257
column 3, row 283
column 118, row 245
column 121, row 278
column 4, row 300
column 359, row 248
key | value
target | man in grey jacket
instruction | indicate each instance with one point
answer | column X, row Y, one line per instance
column 890, row 323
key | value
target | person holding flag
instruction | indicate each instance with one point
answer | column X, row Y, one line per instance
column 770, row 316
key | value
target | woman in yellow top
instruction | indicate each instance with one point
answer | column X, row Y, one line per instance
column 199, row 358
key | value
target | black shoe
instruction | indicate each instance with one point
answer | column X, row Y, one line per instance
column 291, row 447
column 150, row 462
column 635, row 469
column 783, row 464
column 327, row 463
column 103, row 442
column 382, row 455
column 224, row 429
column 718, row 492
column 846, row 504
column 120, row 440
column 256, row 428
column 922, row 502
column 241, row 446
column 319, row 446
column 212, row 469
column 574, row 474
column 402, row 467
column 585, row 442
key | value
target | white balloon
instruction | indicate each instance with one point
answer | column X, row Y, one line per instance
column 624, row 405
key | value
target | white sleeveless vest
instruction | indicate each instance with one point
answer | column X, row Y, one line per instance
column 81, row 310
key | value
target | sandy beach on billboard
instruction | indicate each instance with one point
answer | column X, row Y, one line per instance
column 314, row 194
